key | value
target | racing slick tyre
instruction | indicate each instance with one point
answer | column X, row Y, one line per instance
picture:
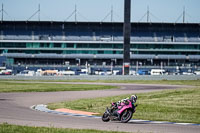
column 105, row 117
column 126, row 116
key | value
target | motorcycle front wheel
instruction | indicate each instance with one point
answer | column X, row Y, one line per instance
column 105, row 117
column 126, row 116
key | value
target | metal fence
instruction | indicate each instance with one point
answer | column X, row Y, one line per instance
column 104, row 77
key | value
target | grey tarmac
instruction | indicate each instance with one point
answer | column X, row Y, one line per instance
column 15, row 109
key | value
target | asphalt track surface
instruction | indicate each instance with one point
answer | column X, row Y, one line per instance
column 15, row 109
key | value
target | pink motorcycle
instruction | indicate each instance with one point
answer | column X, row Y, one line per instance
column 122, row 112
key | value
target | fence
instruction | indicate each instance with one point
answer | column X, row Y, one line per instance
column 104, row 77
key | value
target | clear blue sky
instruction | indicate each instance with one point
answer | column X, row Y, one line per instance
column 96, row 10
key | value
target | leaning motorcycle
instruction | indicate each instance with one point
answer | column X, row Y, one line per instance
column 122, row 112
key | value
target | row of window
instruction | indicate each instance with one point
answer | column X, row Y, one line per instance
column 88, row 45
column 97, row 52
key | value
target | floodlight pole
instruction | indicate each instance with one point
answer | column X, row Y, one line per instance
column 2, row 13
column 184, row 14
column 147, row 14
column 75, row 13
column 112, row 14
column 39, row 12
column 127, row 34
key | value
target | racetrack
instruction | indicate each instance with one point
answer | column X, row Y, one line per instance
column 15, row 109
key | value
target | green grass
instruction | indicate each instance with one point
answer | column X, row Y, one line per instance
column 6, row 128
column 181, row 105
column 12, row 86
column 48, row 87
column 170, row 82
column 166, row 82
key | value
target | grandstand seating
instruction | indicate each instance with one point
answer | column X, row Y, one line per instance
column 68, row 43
column 16, row 35
column 95, row 33
column 85, row 36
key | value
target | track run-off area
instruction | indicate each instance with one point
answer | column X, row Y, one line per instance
column 15, row 109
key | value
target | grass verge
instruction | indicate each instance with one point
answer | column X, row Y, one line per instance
column 48, row 87
column 181, row 105
column 170, row 82
column 6, row 128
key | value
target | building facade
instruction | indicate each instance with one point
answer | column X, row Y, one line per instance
column 35, row 43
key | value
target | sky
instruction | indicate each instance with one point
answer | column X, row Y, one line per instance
column 97, row 10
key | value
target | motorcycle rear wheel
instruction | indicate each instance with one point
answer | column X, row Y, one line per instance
column 126, row 116
column 105, row 117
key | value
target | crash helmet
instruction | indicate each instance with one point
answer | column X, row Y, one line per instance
column 134, row 98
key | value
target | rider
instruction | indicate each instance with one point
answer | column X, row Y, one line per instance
column 133, row 98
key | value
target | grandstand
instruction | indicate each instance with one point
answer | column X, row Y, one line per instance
column 61, row 44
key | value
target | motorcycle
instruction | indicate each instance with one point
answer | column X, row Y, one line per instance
column 122, row 112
